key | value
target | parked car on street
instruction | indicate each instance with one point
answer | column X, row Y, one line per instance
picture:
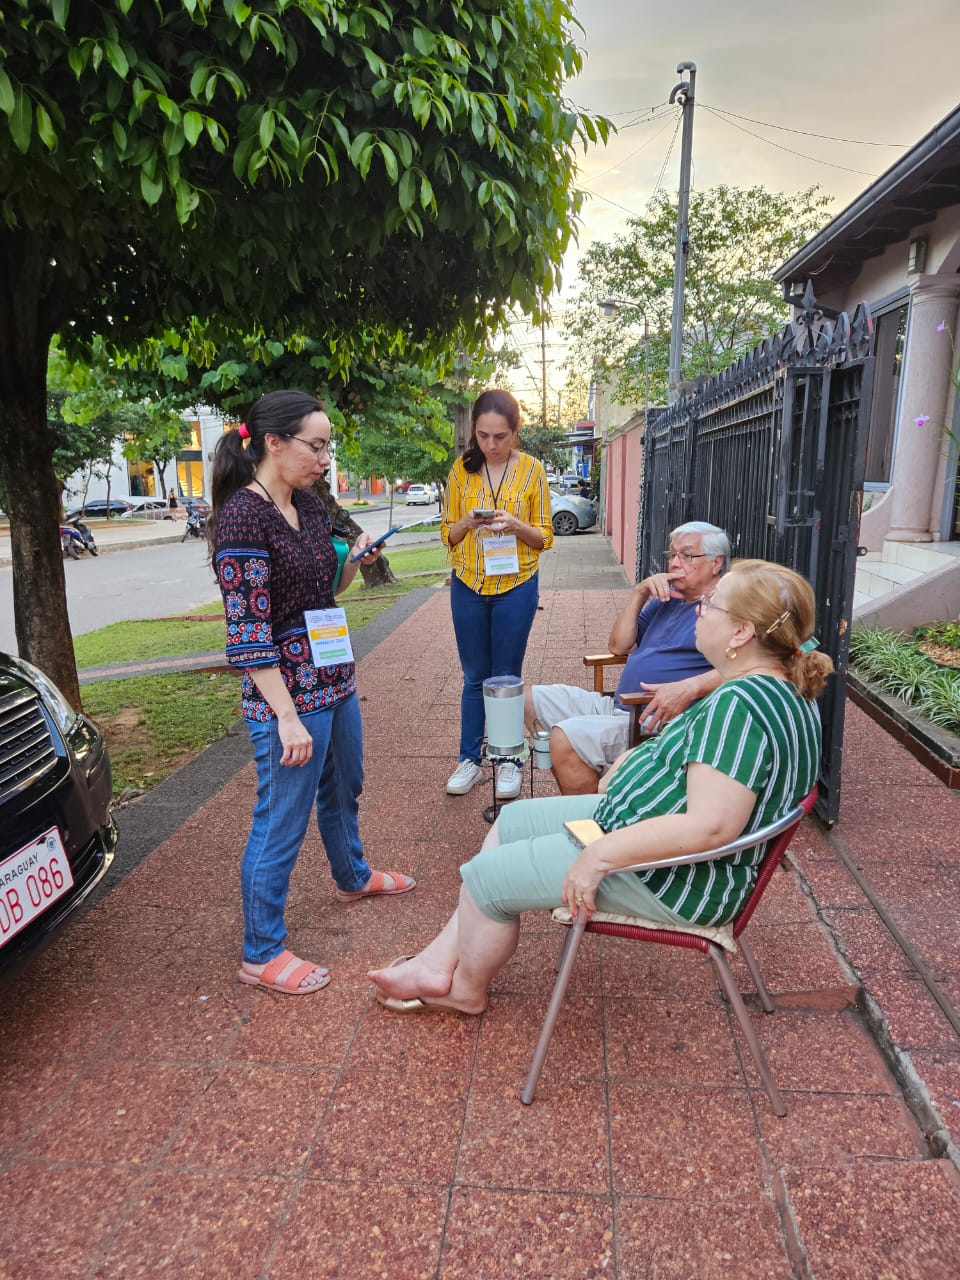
column 570, row 512
column 158, row 508
column 419, row 495
column 57, row 836
column 98, row 507
column 196, row 504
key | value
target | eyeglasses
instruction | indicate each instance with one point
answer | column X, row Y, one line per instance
column 687, row 557
column 326, row 446
column 705, row 604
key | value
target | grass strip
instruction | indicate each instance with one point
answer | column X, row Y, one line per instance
column 154, row 724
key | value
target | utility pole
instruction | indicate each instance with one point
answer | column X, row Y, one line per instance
column 682, row 93
column 543, row 365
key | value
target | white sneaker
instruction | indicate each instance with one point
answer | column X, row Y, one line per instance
column 463, row 778
column 509, row 781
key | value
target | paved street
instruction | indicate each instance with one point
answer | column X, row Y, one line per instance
column 156, row 573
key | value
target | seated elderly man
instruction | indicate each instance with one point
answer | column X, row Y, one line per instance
column 656, row 628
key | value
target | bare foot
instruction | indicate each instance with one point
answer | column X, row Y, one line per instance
column 405, row 979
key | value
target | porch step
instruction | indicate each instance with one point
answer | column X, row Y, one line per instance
column 892, row 571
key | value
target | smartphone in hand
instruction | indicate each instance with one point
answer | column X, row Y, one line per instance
column 483, row 513
column 377, row 542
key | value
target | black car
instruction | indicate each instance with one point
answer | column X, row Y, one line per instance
column 57, row 836
column 98, row 507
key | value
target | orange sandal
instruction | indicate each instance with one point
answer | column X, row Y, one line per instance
column 285, row 973
column 380, row 882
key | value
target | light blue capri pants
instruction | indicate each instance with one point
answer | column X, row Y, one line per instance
column 526, row 871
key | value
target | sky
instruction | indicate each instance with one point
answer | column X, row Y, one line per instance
column 883, row 72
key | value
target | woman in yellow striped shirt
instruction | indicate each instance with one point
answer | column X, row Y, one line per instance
column 496, row 521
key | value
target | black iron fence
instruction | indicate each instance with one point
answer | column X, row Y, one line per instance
column 773, row 450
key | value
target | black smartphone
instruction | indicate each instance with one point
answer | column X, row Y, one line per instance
column 483, row 513
column 377, row 542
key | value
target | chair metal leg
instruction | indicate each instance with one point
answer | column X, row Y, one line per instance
column 750, row 960
column 736, row 1003
column 568, row 956
column 564, row 948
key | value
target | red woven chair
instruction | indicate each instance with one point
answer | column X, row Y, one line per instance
column 713, row 942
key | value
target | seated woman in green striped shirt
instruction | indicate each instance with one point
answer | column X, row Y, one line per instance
column 733, row 762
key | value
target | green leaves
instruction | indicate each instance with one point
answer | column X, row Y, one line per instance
column 7, row 96
column 21, row 120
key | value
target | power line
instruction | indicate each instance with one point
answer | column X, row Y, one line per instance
column 632, row 124
column 634, row 111
column 666, row 158
column 597, row 196
column 790, row 151
column 857, row 142
column 595, row 177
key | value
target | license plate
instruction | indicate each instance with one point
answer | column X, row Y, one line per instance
column 31, row 881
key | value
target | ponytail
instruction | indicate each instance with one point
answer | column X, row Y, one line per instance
column 809, row 672
column 780, row 604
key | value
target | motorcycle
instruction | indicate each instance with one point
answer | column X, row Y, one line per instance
column 76, row 538
column 196, row 526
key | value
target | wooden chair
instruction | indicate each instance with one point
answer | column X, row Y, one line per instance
column 599, row 662
column 714, row 942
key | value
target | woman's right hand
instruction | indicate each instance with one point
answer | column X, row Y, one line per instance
column 296, row 741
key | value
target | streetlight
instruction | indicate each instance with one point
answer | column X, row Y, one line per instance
column 608, row 309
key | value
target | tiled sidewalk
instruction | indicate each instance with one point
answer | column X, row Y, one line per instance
column 160, row 1119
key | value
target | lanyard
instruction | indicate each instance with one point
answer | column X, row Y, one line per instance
column 496, row 496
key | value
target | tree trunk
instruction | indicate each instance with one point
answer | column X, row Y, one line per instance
column 378, row 574
column 26, row 465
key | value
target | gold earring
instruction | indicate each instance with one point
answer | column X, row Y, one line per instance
column 731, row 654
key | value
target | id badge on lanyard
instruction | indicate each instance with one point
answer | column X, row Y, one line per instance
column 329, row 637
column 500, row 554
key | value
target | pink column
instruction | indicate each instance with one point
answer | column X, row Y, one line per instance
column 929, row 362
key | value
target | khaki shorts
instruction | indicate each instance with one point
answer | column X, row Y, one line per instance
column 597, row 730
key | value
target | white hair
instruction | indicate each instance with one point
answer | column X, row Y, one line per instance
column 713, row 540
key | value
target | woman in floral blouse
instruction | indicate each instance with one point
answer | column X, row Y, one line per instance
column 274, row 559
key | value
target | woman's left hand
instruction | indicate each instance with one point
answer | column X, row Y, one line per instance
column 580, row 883
column 505, row 522
column 370, row 557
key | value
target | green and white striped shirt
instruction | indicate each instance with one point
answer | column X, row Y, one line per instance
column 757, row 730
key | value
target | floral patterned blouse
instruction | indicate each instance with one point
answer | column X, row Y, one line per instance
column 269, row 573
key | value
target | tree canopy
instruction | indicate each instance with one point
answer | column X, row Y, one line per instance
column 738, row 237
column 371, row 174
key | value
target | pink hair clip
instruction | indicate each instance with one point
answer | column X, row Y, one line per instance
column 243, row 431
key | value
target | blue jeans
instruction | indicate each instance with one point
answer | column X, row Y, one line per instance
column 332, row 780
column 492, row 634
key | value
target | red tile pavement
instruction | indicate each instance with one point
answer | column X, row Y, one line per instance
column 161, row 1119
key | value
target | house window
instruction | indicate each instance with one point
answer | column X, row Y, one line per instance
column 888, row 349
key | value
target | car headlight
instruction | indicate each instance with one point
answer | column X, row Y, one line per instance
column 56, row 703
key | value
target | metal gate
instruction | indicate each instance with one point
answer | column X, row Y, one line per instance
column 773, row 451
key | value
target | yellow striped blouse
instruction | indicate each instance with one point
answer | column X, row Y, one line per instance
column 524, row 494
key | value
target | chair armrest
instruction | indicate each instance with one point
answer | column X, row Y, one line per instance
column 599, row 662
column 761, row 836
column 635, row 699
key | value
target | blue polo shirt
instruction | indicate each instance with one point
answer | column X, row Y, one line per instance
column 666, row 648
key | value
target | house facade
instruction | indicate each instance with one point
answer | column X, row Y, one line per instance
column 897, row 248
